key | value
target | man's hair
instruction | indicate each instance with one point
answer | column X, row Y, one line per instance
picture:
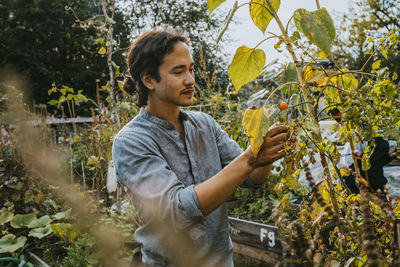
column 145, row 56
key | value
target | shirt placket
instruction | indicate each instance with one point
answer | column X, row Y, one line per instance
column 190, row 152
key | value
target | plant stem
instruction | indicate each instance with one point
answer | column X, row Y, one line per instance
column 317, row 2
column 307, row 98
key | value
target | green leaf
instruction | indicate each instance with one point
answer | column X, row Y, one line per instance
column 28, row 196
column 6, row 214
column 348, row 81
column 69, row 89
column 333, row 94
column 42, row 221
column 61, row 99
column 102, row 51
column 226, row 22
column 22, row 220
column 8, row 243
column 41, row 231
column 70, row 97
column 17, row 186
column 317, row 26
column 52, row 102
column 386, row 88
column 213, row 4
column 62, row 215
column 246, row 65
column 260, row 14
column 63, row 91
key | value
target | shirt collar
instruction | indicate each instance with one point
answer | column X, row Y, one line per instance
column 163, row 123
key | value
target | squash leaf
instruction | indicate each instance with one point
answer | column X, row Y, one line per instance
column 246, row 65
column 260, row 14
column 317, row 26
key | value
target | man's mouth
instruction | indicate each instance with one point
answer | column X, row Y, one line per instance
column 188, row 91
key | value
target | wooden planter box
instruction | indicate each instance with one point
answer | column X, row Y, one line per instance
column 258, row 241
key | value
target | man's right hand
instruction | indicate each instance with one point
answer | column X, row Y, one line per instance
column 273, row 147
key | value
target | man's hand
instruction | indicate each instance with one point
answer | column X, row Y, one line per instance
column 273, row 147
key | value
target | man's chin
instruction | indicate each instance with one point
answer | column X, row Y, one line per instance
column 186, row 103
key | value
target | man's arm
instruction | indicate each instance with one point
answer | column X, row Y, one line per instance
column 216, row 190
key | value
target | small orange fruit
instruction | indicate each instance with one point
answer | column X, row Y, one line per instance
column 283, row 105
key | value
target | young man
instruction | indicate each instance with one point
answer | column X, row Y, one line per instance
column 179, row 166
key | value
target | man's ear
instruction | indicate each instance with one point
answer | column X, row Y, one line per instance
column 148, row 81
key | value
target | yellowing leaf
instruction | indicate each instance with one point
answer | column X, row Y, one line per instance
column 6, row 214
column 259, row 13
column 246, row 65
column 292, row 182
column 376, row 209
column 256, row 123
column 317, row 26
column 65, row 231
column 213, row 4
column 396, row 210
column 102, row 51
column 317, row 77
column 285, row 202
column 39, row 197
column 376, row 65
column 353, row 198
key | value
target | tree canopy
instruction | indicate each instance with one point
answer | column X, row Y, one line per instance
column 376, row 21
column 46, row 41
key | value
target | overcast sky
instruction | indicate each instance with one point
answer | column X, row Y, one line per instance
column 246, row 33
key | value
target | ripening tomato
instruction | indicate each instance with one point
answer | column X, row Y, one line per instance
column 283, row 105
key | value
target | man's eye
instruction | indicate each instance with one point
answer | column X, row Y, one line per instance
column 177, row 72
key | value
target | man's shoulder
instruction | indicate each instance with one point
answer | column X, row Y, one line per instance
column 133, row 129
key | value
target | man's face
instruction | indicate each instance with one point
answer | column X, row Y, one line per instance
column 176, row 86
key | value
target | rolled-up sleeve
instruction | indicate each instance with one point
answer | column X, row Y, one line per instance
column 155, row 188
column 228, row 149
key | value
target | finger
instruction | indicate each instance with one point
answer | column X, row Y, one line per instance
column 277, row 129
column 277, row 148
column 279, row 155
column 270, row 151
column 277, row 139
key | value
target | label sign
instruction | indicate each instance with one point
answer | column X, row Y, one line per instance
column 268, row 236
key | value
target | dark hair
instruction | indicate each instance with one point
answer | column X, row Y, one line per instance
column 145, row 56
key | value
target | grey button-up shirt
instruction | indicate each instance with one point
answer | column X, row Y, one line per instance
column 160, row 170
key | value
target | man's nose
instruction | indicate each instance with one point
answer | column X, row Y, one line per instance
column 189, row 79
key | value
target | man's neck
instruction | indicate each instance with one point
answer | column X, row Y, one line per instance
column 165, row 112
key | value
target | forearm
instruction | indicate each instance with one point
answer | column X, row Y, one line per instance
column 216, row 190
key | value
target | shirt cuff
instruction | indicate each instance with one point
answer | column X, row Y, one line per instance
column 190, row 203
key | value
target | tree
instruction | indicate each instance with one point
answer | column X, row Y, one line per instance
column 45, row 41
column 377, row 21
column 189, row 16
